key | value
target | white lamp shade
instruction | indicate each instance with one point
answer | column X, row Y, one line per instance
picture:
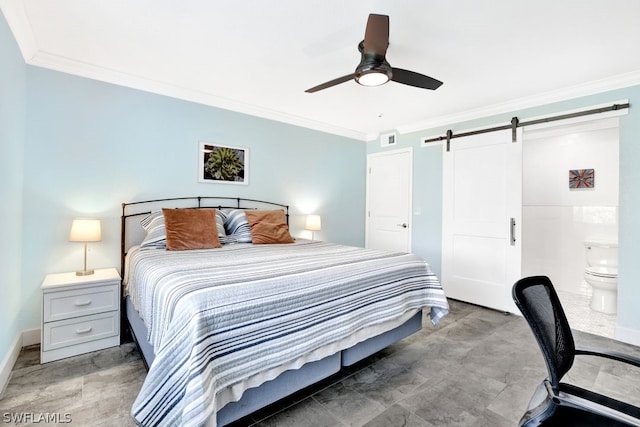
column 313, row 223
column 85, row 230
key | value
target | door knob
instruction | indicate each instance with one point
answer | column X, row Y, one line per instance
column 403, row 225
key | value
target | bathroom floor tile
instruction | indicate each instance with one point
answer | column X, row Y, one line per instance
column 583, row 318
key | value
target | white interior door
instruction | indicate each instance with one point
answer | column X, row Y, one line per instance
column 389, row 190
column 482, row 205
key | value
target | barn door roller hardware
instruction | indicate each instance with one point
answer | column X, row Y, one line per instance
column 516, row 123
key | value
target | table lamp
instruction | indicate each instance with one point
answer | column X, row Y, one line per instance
column 314, row 223
column 85, row 230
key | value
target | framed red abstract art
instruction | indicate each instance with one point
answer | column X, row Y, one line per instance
column 582, row 178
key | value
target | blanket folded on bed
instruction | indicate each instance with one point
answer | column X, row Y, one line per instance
column 217, row 317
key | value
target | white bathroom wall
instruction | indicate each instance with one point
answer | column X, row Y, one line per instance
column 556, row 219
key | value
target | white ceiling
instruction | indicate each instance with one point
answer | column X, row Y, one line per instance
column 258, row 57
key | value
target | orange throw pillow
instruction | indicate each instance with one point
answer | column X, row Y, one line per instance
column 268, row 227
column 191, row 229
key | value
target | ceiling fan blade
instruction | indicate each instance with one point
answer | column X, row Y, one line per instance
column 331, row 83
column 415, row 79
column 376, row 36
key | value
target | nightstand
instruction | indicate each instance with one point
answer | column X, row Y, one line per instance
column 79, row 313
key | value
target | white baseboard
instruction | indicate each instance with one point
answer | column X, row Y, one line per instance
column 30, row 337
column 25, row 338
column 628, row 335
column 7, row 363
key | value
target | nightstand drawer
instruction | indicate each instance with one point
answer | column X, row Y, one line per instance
column 80, row 330
column 80, row 302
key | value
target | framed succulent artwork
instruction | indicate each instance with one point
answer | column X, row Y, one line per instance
column 223, row 164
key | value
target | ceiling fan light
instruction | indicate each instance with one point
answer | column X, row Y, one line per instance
column 373, row 78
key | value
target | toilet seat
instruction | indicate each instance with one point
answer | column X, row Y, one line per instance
column 608, row 272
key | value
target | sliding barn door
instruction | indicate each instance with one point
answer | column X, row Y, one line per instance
column 482, row 205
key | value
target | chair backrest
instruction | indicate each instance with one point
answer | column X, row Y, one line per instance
column 538, row 301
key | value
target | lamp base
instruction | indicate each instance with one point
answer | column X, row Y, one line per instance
column 84, row 273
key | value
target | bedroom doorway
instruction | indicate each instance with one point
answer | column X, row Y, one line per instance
column 559, row 221
column 388, row 201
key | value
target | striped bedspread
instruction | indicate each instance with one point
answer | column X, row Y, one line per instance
column 224, row 320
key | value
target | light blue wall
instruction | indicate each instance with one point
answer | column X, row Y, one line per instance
column 12, row 115
column 427, row 191
column 91, row 146
column 76, row 147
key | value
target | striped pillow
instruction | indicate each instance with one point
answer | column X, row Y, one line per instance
column 221, row 219
column 222, row 234
column 237, row 227
column 156, row 237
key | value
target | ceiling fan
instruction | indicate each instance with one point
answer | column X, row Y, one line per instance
column 374, row 70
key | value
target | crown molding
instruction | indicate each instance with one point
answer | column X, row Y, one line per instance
column 590, row 88
column 66, row 65
column 20, row 26
column 70, row 66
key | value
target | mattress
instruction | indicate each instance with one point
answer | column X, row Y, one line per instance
column 225, row 320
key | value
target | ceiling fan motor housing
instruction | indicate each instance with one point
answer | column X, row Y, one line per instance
column 373, row 70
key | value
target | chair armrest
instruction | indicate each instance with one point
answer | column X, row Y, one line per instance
column 614, row 355
column 545, row 406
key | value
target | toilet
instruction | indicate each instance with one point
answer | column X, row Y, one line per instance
column 602, row 275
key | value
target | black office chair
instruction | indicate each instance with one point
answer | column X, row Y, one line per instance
column 555, row 403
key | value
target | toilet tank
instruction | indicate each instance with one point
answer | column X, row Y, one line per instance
column 601, row 253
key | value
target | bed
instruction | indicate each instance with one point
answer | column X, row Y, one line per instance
column 225, row 331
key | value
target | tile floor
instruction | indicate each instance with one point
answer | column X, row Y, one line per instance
column 580, row 315
column 478, row 368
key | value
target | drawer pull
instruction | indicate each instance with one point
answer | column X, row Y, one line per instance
column 82, row 303
column 84, row 330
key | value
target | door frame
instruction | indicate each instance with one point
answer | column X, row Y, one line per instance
column 408, row 150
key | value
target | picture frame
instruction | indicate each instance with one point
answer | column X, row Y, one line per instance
column 582, row 179
column 222, row 164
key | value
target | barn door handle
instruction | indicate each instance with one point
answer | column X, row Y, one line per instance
column 403, row 225
column 512, row 231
